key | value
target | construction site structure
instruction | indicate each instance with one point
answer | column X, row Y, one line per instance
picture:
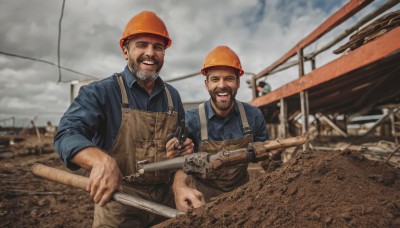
column 336, row 96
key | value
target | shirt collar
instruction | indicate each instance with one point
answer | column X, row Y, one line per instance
column 211, row 113
column 130, row 80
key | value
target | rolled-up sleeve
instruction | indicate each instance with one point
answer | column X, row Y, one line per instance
column 80, row 123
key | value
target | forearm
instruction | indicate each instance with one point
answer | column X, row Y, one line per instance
column 68, row 144
column 88, row 157
column 185, row 196
column 180, row 180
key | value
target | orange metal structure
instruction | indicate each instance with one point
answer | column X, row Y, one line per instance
column 343, row 14
column 353, row 83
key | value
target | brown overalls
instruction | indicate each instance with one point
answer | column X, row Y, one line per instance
column 141, row 137
column 227, row 179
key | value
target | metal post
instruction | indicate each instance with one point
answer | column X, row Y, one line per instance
column 283, row 119
column 304, row 111
column 393, row 123
column 303, row 98
column 253, row 87
column 313, row 64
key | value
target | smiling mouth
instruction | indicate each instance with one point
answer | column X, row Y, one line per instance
column 223, row 96
column 148, row 62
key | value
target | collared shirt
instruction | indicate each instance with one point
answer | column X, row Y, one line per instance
column 94, row 117
column 225, row 128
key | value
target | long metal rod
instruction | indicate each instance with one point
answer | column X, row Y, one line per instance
column 303, row 98
column 63, row 177
column 238, row 156
column 173, row 163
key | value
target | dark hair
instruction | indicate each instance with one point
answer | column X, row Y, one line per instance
column 262, row 83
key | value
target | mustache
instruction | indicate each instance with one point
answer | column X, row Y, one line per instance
column 148, row 58
column 223, row 90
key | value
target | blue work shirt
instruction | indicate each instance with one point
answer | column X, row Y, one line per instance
column 94, row 117
column 225, row 128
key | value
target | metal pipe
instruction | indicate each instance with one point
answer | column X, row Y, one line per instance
column 63, row 177
column 173, row 163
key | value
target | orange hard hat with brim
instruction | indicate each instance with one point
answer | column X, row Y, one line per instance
column 222, row 56
column 146, row 22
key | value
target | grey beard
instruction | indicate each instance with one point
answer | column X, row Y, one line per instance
column 144, row 77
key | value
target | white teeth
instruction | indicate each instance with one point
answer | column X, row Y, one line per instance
column 148, row 62
column 222, row 94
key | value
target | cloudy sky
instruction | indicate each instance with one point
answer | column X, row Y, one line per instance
column 259, row 31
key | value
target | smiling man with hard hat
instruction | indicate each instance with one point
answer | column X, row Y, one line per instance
column 220, row 124
column 125, row 118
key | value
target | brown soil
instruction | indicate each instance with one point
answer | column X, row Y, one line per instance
column 314, row 189
column 29, row 201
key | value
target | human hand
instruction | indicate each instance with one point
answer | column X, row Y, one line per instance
column 275, row 154
column 188, row 198
column 104, row 180
column 175, row 149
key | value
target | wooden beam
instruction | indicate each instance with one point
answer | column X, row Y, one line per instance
column 380, row 121
column 364, row 55
column 337, row 18
column 324, row 118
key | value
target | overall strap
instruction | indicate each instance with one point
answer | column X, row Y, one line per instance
column 169, row 98
column 125, row 102
column 203, row 123
column 243, row 117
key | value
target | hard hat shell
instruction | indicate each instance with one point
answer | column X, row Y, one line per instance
column 222, row 56
column 145, row 22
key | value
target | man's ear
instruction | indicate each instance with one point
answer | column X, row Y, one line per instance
column 125, row 52
column 206, row 84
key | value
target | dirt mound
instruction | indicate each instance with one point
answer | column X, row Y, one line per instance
column 314, row 189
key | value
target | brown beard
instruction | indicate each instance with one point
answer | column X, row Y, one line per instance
column 224, row 106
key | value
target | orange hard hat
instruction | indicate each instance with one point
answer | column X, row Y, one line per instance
column 222, row 56
column 146, row 22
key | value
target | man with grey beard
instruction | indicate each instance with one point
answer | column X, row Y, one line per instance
column 220, row 124
column 125, row 118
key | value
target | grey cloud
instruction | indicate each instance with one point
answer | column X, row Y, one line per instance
column 91, row 30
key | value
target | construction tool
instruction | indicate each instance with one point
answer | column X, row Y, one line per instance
column 180, row 133
column 64, row 177
column 203, row 162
